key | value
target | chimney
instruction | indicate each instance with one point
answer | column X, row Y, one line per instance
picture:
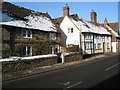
column 105, row 21
column 93, row 17
column 66, row 10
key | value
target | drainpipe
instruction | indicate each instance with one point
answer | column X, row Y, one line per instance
column 81, row 41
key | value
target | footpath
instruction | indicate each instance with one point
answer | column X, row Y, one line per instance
column 39, row 70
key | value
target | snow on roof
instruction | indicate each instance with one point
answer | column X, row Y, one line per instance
column 32, row 22
column 27, row 58
column 115, row 33
column 82, row 26
column 97, row 29
column 86, row 26
column 6, row 17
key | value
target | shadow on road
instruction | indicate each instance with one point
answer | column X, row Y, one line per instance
column 113, row 82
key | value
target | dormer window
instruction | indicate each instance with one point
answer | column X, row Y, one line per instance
column 27, row 33
column 70, row 30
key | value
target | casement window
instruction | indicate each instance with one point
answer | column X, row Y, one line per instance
column 108, row 45
column 70, row 30
column 27, row 33
column 99, row 46
column 88, row 36
column 103, row 39
column 95, row 46
column 52, row 36
column 88, row 45
column 27, row 50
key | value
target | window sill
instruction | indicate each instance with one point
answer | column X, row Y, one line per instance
column 27, row 37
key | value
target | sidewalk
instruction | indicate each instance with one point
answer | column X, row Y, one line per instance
column 35, row 71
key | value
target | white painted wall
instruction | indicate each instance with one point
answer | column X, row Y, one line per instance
column 113, row 46
column 69, row 38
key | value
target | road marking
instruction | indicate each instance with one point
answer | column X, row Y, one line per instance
column 112, row 67
column 65, row 84
column 72, row 85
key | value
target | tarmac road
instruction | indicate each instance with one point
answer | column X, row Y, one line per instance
column 102, row 73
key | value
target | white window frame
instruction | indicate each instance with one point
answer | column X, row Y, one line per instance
column 26, row 51
column 70, row 30
column 99, row 45
column 108, row 45
column 26, row 33
column 52, row 36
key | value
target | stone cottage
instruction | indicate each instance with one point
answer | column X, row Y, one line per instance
column 26, row 32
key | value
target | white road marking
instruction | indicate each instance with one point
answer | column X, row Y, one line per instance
column 72, row 85
column 112, row 67
column 65, row 84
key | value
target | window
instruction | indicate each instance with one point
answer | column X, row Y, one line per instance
column 108, row 45
column 27, row 34
column 88, row 45
column 99, row 46
column 52, row 36
column 88, row 36
column 95, row 46
column 27, row 50
column 70, row 30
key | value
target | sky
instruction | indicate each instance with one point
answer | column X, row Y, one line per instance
column 107, row 10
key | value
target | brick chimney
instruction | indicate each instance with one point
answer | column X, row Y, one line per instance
column 93, row 17
column 105, row 21
column 66, row 10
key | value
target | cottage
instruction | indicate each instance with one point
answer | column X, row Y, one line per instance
column 89, row 35
column 113, row 28
column 26, row 32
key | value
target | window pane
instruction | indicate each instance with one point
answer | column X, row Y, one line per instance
column 28, row 50
column 71, row 30
column 24, row 50
column 29, row 33
column 24, row 33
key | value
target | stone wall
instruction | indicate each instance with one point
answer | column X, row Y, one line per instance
column 72, row 57
column 12, row 39
column 19, row 65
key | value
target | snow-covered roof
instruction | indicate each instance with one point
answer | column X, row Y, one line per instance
column 32, row 21
column 113, row 32
column 82, row 26
column 86, row 26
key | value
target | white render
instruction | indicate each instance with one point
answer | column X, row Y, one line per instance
column 85, row 29
column 115, row 45
column 69, row 38
column 114, row 48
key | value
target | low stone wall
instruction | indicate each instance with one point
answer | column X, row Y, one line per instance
column 72, row 57
column 19, row 65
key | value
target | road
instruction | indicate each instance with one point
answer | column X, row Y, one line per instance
column 102, row 73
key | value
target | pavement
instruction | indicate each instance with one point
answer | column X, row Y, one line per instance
column 35, row 71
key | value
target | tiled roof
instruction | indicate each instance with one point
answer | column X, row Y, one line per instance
column 114, row 26
column 19, row 12
column 59, row 20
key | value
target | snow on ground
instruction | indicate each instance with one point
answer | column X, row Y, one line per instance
column 33, row 22
column 27, row 58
